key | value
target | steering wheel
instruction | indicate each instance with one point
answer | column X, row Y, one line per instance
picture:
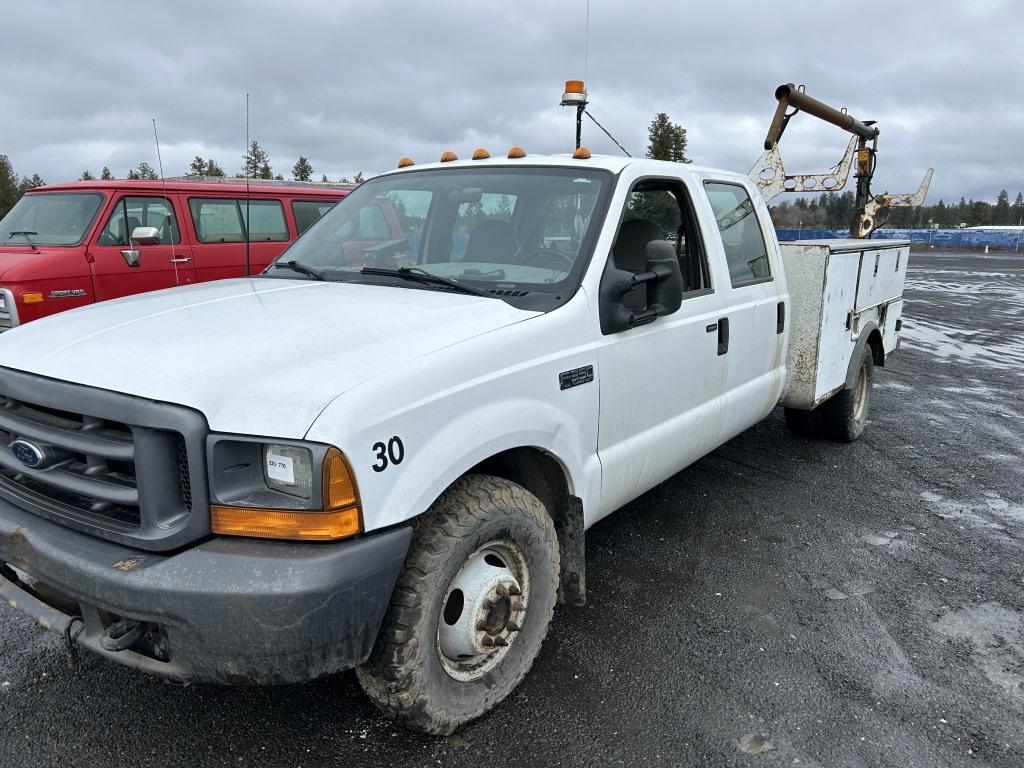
column 549, row 255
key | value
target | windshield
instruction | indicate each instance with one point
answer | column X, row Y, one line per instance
column 50, row 218
column 513, row 230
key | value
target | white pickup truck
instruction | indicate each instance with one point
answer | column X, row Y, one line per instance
column 383, row 453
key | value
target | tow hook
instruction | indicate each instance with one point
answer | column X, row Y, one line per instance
column 122, row 635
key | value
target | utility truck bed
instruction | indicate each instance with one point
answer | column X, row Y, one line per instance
column 839, row 289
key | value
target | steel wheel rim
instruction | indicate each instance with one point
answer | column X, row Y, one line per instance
column 860, row 392
column 481, row 614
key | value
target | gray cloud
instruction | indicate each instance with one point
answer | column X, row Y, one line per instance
column 353, row 86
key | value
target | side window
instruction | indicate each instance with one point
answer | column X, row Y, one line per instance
column 266, row 220
column 217, row 221
column 372, row 224
column 132, row 212
column 491, row 206
column 742, row 238
column 307, row 212
column 660, row 209
column 565, row 222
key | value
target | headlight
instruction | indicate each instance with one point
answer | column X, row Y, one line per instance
column 282, row 490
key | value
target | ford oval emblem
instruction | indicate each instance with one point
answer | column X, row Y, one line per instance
column 27, row 453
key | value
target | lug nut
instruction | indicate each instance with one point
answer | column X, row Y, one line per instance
column 502, row 590
column 481, row 625
column 500, row 641
column 512, row 627
column 487, row 604
column 515, row 591
column 487, row 642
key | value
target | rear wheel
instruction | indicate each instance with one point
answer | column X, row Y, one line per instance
column 470, row 609
column 845, row 414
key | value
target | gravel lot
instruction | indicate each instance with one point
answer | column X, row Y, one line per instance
column 781, row 602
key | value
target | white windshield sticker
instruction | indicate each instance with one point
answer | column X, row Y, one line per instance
column 280, row 468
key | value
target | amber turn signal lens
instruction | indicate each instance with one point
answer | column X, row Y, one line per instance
column 31, row 298
column 447, row 157
column 574, row 86
column 481, row 154
column 285, row 524
column 516, row 152
column 405, row 162
column 581, row 153
column 339, row 486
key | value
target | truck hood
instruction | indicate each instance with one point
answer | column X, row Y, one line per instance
column 18, row 261
column 254, row 355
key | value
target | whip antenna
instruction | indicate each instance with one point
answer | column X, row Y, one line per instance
column 163, row 184
column 248, row 149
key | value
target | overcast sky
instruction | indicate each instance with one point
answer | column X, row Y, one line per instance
column 354, row 86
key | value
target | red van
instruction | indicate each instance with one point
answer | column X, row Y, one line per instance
column 67, row 245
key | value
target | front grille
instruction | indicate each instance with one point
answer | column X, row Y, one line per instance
column 115, row 466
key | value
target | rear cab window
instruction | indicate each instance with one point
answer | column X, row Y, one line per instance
column 743, row 241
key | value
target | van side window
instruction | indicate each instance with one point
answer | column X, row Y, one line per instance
column 265, row 219
column 306, row 212
column 219, row 220
column 742, row 238
column 132, row 212
column 660, row 209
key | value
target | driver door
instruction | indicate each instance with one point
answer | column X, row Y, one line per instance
column 165, row 265
column 663, row 385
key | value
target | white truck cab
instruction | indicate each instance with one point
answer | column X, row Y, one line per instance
column 384, row 453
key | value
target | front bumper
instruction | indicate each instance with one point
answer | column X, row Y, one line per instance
column 235, row 611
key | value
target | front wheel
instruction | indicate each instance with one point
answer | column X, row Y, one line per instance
column 845, row 414
column 470, row 609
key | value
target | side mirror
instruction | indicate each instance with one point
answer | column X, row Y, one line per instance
column 145, row 236
column 664, row 283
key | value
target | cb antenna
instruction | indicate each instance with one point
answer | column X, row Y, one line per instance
column 248, row 172
column 163, row 184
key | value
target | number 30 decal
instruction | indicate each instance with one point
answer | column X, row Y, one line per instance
column 392, row 453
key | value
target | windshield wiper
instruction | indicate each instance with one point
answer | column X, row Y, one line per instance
column 295, row 266
column 25, row 233
column 418, row 275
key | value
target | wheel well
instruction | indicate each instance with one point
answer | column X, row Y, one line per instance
column 877, row 348
column 542, row 475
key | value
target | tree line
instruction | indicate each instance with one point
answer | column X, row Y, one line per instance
column 834, row 211
column 255, row 165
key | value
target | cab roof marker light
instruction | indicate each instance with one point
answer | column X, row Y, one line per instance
column 448, row 156
column 481, row 154
column 405, row 162
column 516, row 153
column 581, row 153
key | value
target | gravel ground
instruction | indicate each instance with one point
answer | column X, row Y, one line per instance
column 782, row 602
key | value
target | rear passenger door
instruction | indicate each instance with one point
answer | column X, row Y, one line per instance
column 756, row 309
column 219, row 225
column 165, row 265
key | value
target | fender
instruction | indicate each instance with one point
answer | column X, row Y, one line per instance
column 862, row 340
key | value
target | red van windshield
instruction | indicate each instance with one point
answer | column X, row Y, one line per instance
column 50, row 218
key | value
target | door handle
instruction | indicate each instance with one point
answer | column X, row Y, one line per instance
column 181, row 260
column 723, row 335
column 780, row 317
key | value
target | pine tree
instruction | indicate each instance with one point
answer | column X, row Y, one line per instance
column 358, row 178
column 144, row 171
column 1017, row 211
column 302, row 170
column 27, row 183
column 212, row 169
column 197, row 167
column 86, row 176
column 10, row 192
column 256, row 163
column 105, row 174
column 667, row 140
column 1001, row 211
column 323, row 178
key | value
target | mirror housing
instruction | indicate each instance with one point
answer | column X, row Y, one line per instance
column 664, row 283
column 145, row 236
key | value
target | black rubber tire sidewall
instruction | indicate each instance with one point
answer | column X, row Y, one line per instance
column 425, row 697
column 838, row 413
